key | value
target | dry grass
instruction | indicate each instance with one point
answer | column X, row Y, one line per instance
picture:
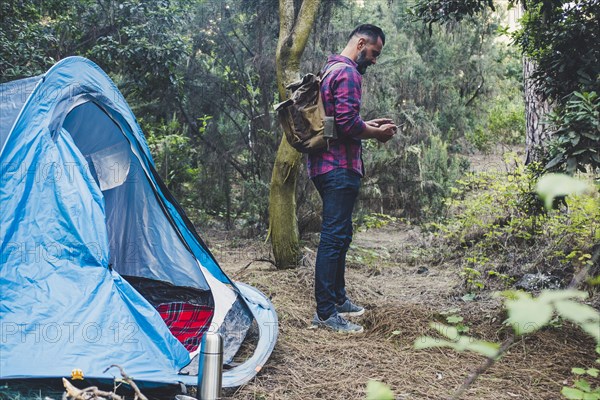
column 315, row 364
column 309, row 364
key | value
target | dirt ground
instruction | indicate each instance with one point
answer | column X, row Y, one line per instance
column 402, row 298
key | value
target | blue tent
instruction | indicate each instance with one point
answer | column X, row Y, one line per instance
column 99, row 264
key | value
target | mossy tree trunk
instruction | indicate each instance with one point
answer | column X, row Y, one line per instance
column 295, row 24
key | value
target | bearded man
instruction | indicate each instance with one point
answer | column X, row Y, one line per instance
column 337, row 171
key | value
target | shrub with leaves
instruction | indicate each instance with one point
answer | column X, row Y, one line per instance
column 440, row 171
column 575, row 142
column 503, row 231
column 528, row 314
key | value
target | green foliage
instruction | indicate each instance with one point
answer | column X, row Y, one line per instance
column 472, row 277
column 373, row 221
column 564, row 41
column 417, row 181
column 551, row 186
column 367, row 257
column 582, row 389
column 527, row 314
column 457, row 321
column 378, row 391
column 177, row 61
column 457, row 342
column 505, row 123
column 562, row 37
column 503, row 230
column 440, row 170
column 575, row 142
column 506, row 280
column 146, row 43
column 449, row 11
column 29, row 36
column 480, row 138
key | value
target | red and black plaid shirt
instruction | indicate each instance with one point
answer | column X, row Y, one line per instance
column 341, row 92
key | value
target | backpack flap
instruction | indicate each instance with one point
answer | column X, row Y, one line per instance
column 302, row 116
column 283, row 104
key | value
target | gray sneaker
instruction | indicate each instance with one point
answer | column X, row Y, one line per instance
column 349, row 309
column 336, row 323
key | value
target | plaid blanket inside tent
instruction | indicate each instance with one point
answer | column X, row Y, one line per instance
column 187, row 322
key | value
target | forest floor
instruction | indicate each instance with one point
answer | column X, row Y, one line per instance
column 403, row 295
column 402, row 299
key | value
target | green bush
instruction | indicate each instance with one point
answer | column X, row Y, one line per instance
column 505, row 123
column 480, row 138
column 440, row 170
column 502, row 230
column 575, row 132
column 412, row 182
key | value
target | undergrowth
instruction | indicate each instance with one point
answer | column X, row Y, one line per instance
column 499, row 230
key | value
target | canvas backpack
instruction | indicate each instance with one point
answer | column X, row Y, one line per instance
column 302, row 116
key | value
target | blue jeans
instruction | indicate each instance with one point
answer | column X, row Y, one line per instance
column 338, row 190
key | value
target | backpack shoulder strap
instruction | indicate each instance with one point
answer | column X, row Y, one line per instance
column 333, row 67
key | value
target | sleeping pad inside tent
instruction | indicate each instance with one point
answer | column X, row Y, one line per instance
column 100, row 265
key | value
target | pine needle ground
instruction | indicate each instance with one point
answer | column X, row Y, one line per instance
column 402, row 301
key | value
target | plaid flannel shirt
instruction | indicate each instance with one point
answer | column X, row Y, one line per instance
column 341, row 92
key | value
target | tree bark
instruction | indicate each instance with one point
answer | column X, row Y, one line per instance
column 535, row 110
column 294, row 31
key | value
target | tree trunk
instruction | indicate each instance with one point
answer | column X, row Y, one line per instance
column 294, row 31
column 535, row 110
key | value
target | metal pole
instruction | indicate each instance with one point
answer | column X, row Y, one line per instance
column 210, row 368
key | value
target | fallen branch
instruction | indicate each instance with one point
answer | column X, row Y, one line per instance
column 258, row 260
column 127, row 379
column 90, row 393
column 483, row 367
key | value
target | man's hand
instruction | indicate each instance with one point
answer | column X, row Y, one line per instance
column 382, row 129
column 386, row 132
column 378, row 122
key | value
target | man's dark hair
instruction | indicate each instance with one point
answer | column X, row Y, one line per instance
column 371, row 31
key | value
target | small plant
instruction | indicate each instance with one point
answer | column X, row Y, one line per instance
column 506, row 280
column 576, row 137
column 472, row 279
column 457, row 342
column 373, row 221
column 451, row 316
column 582, row 389
column 457, row 322
column 365, row 256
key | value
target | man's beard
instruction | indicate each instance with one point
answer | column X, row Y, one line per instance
column 362, row 62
